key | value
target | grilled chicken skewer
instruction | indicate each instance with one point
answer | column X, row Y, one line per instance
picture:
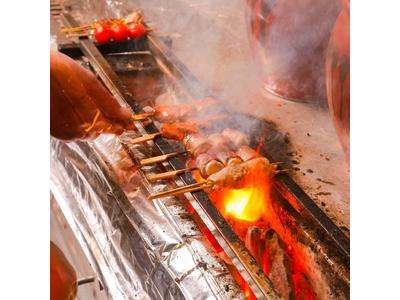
column 169, row 113
column 175, row 131
column 217, row 162
column 231, row 177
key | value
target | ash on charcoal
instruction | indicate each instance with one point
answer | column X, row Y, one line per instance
column 325, row 181
column 323, row 194
column 303, row 288
column 345, row 229
column 279, row 270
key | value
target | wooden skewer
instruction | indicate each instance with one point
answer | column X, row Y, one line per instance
column 145, row 138
column 143, row 116
column 76, row 29
column 181, row 190
column 160, row 158
column 169, row 175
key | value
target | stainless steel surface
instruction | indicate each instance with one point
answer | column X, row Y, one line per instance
column 62, row 235
column 138, row 249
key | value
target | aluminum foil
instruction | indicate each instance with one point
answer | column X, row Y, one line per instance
column 139, row 249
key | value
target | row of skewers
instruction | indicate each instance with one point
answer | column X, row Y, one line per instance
column 223, row 159
column 112, row 30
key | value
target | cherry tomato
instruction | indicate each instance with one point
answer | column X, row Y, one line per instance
column 136, row 30
column 103, row 34
column 120, row 32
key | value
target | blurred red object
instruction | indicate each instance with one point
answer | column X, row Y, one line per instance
column 289, row 39
column 63, row 281
column 338, row 76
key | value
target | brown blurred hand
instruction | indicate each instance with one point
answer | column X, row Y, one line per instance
column 63, row 281
column 80, row 106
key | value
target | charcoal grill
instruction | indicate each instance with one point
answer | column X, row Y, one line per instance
column 299, row 214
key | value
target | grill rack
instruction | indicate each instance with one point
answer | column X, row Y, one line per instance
column 230, row 242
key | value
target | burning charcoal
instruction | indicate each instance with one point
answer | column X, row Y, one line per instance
column 302, row 287
column 254, row 243
column 278, row 269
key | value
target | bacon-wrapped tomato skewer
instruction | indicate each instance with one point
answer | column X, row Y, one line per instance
column 117, row 30
column 133, row 17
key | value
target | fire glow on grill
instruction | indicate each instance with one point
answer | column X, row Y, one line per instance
column 245, row 204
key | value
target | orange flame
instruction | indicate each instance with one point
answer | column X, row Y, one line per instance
column 248, row 203
column 245, row 204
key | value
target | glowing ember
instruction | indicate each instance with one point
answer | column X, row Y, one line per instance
column 245, row 204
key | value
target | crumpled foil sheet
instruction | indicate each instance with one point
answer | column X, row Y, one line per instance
column 139, row 249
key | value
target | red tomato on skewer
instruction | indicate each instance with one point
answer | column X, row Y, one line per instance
column 102, row 34
column 136, row 30
column 120, row 32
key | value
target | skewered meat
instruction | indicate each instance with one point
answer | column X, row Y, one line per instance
column 237, row 137
column 196, row 144
column 177, row 131
column 246, row 153
column 228, row 158
column 208, row 164
column 233, row 176
column 173, row 112
column 220, row 142
column 179, row 112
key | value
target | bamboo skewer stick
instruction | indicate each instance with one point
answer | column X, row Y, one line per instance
column 181, row 190
column 145, row 138
column 76, row 29
column 143, row 116
column 160, row 158
column 169, row 175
